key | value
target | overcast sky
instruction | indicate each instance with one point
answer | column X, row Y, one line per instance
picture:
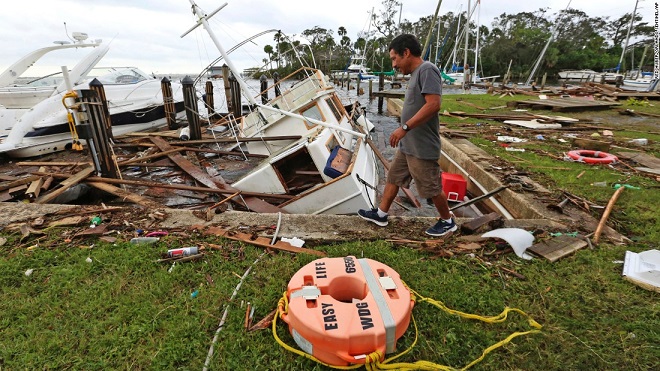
column 146, row 33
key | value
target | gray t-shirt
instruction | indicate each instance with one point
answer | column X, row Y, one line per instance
column 424, row 140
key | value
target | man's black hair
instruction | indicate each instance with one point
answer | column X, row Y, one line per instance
column 406, row 41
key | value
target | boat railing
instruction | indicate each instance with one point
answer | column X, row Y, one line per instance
column 298, row 94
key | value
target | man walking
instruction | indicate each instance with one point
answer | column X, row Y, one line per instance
column 418, row 139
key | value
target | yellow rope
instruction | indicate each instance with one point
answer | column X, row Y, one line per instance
column 373, row 360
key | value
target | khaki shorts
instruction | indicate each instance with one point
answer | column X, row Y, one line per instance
column 425, row 173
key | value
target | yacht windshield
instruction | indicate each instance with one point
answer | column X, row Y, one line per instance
column 128, row 75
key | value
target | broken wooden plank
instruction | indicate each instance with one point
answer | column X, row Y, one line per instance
column 185, row 165
column 644, row 159
column 473, row 225
column 123, row 194
column 66, row 184
column 260, row 241
column 18, row 182
column 34, row 189
column 557, row 247
column 144, row 183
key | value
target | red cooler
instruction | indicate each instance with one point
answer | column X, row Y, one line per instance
column 454, row 186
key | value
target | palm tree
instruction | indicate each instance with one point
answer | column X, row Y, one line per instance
column 269, row 50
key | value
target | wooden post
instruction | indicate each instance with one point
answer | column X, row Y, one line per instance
column 235, row 91
column 371, row 88
column 208, row 99
column 225, row 78
column 263, row 86
column 381, row 85
column 545, row 76
column 357, row 82
column 97, row 87
column 168, row 103
column 93, row 128
column 276, row 84
column 190, row 101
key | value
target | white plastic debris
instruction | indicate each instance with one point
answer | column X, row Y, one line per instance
column 509, row 139
column 643, row 269
column 294, row 241
column 28, row 272
column 89, row 260
column 519, row 239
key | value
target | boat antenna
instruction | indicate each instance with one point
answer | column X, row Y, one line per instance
column 66, row 32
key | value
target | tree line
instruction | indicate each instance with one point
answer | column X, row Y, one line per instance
column 512, row 43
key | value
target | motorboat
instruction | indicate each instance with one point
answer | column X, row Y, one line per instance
column 34, row 120
column 330, row 168
column 579, row 75
column 356, row 70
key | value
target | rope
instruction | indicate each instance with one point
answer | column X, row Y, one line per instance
column 374, row 361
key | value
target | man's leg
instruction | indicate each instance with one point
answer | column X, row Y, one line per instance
column 440, row 202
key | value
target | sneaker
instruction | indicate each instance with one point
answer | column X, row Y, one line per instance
column 372, row 216
column 442, row 228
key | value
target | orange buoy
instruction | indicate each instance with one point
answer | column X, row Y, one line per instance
column 341, row 310
column 592, row 157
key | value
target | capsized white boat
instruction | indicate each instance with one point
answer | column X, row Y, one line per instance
column 331, row 169
column 34, row 120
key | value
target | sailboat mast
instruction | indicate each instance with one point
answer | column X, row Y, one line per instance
column 203, row 20
column 476, row 48
column 625, row 45
column 465, row 57
column 545, row 48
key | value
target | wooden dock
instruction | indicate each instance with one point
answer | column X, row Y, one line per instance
column 563, row 104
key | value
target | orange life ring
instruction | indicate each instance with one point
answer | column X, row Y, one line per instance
column 592, row 157
column 341, row 310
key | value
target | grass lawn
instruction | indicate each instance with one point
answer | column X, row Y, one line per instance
column 90, row 304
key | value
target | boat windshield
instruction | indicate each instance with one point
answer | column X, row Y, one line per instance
column 124, row 75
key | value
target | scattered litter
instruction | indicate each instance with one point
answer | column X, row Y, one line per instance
column 543, row 96
column 294, row 241
column 519, row 239
column 532, row 124
column 540, row 137
column 608, row 133
column 519, row 110
column 183, row 251
column 562, row 140
column 28, row 272
column 570, row 135
column 89, row 260
column 599, row 184
column 171, row 267
column 156, row 234
column 639, row 141
column 95, row 221
column 512, row 149
column 643, row 269
column 508, row 139
column 571, row 234
column 617, row 186
column 144, row 240
column 194, row 294
column 595, row 135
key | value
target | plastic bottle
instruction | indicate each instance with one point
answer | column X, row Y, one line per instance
column 95, row 221
column 599, row 184
column 144, row 240
column 183, row 251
